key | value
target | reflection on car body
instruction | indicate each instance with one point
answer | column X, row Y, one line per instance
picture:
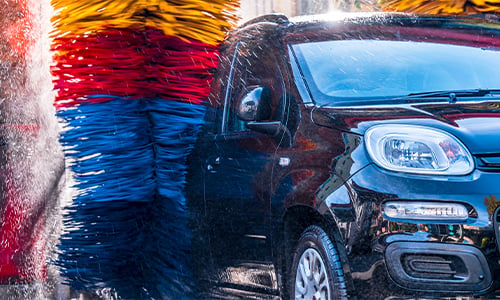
column 369, row 170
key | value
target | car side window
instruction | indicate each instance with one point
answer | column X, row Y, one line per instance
column 255, row 63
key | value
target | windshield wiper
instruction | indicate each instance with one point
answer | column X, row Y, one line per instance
column 453, row 94
column 450, row 95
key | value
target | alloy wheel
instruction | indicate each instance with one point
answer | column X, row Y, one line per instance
column 311, row 280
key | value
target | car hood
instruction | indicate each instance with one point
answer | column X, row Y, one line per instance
column 476, row 124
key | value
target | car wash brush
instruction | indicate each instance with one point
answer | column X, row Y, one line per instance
column 132, row 79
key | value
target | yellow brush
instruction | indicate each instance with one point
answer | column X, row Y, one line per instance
column 442, row 7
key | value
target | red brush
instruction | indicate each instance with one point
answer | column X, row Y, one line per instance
column 146, row 63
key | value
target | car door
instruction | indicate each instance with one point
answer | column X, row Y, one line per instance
column 237, row 173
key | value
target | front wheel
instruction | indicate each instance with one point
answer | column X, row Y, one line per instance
column 316, row 272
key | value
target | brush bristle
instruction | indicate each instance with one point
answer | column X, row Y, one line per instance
column 132, row 79
column 441, row 7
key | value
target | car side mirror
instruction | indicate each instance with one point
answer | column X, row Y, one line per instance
column 254, row 103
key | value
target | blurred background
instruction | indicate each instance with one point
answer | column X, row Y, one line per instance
column 291, row 8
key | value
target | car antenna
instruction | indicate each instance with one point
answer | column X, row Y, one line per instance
column 452, row 98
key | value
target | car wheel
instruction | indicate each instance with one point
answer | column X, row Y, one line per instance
column 316, row 271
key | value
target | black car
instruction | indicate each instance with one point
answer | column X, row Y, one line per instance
column 351, row 156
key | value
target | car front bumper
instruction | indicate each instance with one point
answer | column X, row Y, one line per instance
column 415, row 258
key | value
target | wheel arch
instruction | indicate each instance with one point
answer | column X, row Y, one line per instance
column 295, row 220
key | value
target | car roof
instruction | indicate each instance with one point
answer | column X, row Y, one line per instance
column 400, row 18
column 477, row 30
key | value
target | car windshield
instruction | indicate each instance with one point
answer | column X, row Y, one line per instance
column 348, row 71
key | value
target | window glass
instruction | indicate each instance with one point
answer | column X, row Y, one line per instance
column 254, row 65
column 348, row 69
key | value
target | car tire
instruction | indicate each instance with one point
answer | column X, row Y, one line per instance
column 316, row 271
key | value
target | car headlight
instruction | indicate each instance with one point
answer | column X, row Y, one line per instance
column 417, row 149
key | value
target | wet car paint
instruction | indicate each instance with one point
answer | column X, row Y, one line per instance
column 249, row 208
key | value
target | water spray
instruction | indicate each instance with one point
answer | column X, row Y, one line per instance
column 132, row 79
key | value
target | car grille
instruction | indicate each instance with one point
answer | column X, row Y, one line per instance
column 488, row 162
